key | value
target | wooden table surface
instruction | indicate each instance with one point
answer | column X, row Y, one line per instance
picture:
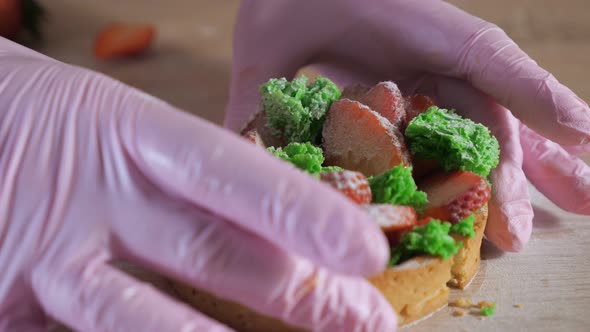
column 189, row 67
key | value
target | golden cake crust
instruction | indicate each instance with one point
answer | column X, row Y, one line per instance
column 467, row 260
column 230, row 313
column 415, row 288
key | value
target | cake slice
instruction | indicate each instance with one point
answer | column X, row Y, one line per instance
column 435, row 242
column 415, row 288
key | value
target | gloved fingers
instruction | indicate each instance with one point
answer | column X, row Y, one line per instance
column 559, row 175
column 510, row 212
column 211, row 254
column 97, row 297
column 24, row 326
column 23, row 316
column 223, row 173
column 579, row 150
column 482, row 54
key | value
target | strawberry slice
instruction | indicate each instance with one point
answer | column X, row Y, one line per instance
column 386, row 99
column 359, row 139
column 422, row 167
column 352, row 184
column 394, row 220
column 258, row 123
column 122, row 40
column 454, row 196
column 415, row 105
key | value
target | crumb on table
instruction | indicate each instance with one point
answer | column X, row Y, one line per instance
column 459, row 313
column 484, row 304
column 462, row 302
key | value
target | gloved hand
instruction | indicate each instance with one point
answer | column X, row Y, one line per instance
column 94, row 171
column 434, row 48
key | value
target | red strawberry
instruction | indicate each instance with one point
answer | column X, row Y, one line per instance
column 415, row 105
column 352, row 184
column 10, row 18
column 386, row 99
column 120, row 40
column 359, row 139
column 454, row 196
column 252, row 136
column 394, row 220
column 257, row 123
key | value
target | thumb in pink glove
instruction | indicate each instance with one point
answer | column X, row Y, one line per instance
column 93, row 171
column 434, row 48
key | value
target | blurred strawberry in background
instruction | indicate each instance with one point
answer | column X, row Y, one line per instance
column 10, row 18
column 18, row 16
column 119, row 40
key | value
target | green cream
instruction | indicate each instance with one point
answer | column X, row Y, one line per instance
column 297, row 110
column 332, row 169
column 304, row 156
column 464, row 227
column 397, row 186
column 456, row 143
column 431, row 239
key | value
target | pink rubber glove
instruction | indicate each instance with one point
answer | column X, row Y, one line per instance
column 93, row 171
column 434, row 48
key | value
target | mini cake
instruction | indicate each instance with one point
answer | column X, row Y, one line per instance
column 420, row 172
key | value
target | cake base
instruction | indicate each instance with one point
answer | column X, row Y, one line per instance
column 415, row 289
column 466, row 262
column 230, row 313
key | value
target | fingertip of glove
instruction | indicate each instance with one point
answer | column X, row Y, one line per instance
column 382, row 320
column 379, row 253
column 509, row 234
column 368, row 310
column 573, row 114
column 367, row 250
